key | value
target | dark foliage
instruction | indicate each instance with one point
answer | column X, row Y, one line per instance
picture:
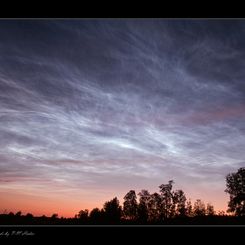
column 169, row 207
column 235, row 183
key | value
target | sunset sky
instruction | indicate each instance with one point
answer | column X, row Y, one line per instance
column 92, row 108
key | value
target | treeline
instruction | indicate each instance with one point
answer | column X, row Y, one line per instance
column 148, row 208
column 167, row 206
column 170, row 206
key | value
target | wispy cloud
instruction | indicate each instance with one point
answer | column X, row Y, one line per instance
column 92, row 104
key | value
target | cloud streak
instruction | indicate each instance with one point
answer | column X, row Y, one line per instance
column 108, row 105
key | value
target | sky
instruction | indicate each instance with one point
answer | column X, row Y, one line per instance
column 92, row 108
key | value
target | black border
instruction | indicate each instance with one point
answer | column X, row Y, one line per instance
column 129, row 234
column 133, row 234
column 122, row 9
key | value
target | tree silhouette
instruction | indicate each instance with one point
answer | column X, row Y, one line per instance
column 83, row 216
column 189, row 211
column 167, row 199
column 143, row 207
column 235, row 183
column 96, row 215
column 54, row 216
column 199, row 208
column 179, row 201
column 221, row 213
column 18, row 214
column 130, row 205
column 112, row 211
column 166, row 207
column 29, row 215
column 210, row 209
column 155, row 205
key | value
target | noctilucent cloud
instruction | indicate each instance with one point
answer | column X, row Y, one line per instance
column 92, row 108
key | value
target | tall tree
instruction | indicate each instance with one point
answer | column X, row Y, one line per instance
column 199, row 208
column 130, row 205
column 179, row 200
column 189, row 211
column 143, row 207
column 113, row 211
column 167, row 199
column 235, row 183
column 154, row 208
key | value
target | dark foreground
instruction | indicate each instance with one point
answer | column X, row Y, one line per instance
column 6, row 219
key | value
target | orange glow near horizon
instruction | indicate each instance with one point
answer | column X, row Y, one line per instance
column 65, row 207
column 93, row 108
column 41, row 206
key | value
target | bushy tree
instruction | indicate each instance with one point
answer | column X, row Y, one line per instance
column 235, row 183
column 130, row 205
column 83, row 215
column 18, row 214
column 112, row 211
column 179, row 201
column 167, row 199
column 199, row 208
column 96, row 215
column 154, row 207
column 29, row 215
column 189, row 211
column 143, row 207
column 210, row 210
